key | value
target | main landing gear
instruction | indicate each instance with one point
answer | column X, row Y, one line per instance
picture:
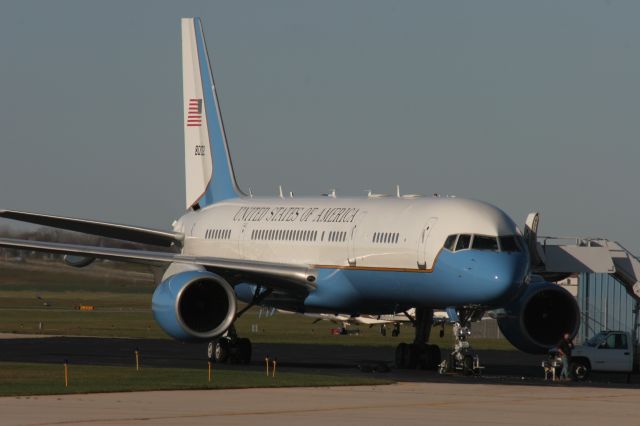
column 230, row 348
column 419, row 354
column 463, row 359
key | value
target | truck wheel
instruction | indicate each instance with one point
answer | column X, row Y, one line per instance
column 580, row 369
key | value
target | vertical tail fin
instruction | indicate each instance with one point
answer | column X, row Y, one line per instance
column 208, row 168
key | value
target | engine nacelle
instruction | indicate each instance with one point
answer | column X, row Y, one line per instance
column 194, row 305
column 537, row 320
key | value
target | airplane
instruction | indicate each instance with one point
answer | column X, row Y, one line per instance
column 369, row 255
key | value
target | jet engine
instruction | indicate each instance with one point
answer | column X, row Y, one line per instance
column 194, row 305
column 537, row 320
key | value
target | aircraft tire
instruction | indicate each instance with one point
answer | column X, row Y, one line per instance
column 467, row 365
column 402, row 355
column 434, row 358
column 244, row 350
column 414, row 356
column 221, row 350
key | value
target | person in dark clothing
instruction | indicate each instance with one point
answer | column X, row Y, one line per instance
column 564, row 347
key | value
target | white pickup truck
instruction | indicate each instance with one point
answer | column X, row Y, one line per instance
column 606, row 351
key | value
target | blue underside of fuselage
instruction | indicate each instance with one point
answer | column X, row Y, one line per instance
column 468, row 277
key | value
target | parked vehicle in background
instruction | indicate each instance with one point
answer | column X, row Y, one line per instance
column 607, row 351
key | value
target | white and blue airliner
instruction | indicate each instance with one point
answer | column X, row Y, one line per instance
column 372, row 255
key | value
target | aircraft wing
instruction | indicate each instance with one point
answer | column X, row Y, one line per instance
column 295, row 279
column 110, row 230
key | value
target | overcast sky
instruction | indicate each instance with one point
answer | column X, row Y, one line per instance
column 529, row 105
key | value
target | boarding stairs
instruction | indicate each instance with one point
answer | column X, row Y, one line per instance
column 562, row 255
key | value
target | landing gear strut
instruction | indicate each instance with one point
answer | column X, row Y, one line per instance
column 419, row 354
column 463, row 358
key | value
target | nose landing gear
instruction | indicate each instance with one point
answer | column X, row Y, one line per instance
column 463, row 358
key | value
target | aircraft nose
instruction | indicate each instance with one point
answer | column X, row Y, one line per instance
column 509, row 272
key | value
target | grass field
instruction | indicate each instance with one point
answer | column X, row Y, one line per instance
column 48, row 379
column 121, row 294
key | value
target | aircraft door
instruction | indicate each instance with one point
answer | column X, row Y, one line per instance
column 245, row 233
column 356, row 229
column 424, row 260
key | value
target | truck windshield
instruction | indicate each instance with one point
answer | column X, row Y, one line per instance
column 597, row 339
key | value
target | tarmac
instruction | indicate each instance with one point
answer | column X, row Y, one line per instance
column 402, row 403
column 510, row 391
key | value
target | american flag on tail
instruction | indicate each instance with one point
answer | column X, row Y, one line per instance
column 194, row 113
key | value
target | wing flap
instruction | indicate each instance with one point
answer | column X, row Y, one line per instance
column 103, row 229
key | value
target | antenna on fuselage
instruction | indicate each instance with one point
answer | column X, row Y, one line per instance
column 280, row 191
column 250, row 193
column 398, row 191
column 331, row 194
column 290, row 194
column 371, row 194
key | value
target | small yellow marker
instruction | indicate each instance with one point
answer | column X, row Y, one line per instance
column 137, row 352
column 209, row 362
column 66, row 373
column 266, row 362
column 275, row 361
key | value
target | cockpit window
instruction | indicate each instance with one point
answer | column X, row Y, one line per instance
column 509, row 244
column 464, row 241
column 450, row 243
column 482, row 242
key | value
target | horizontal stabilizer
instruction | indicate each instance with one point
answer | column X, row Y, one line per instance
column 103, row 229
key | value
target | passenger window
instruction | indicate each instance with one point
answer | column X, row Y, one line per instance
column 481, row 242
column 464, row 242
column 450, row 242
